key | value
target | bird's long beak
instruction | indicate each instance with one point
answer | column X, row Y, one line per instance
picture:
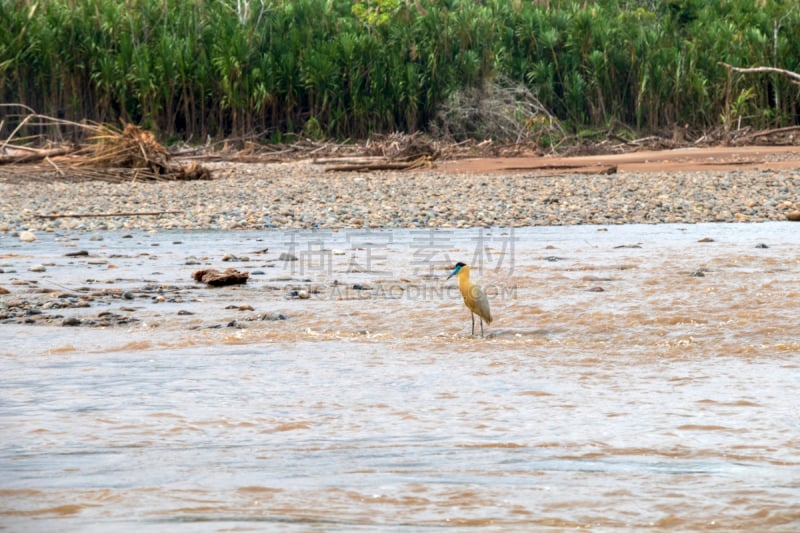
column 451, row 275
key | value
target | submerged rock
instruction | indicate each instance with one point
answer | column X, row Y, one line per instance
column 27, row 236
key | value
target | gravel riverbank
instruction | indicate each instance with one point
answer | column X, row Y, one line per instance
column 304, row 195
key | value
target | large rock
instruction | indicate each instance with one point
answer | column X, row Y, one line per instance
column 215, row 278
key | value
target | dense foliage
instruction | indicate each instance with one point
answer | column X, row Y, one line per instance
column 192, row 68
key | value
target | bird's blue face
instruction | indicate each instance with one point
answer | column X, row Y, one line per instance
column 455, row 270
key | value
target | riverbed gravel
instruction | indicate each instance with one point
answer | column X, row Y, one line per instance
column 305, row 195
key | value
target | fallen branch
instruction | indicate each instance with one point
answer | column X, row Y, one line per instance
column 761, row 70
column 367, row 160
column 33, row 155
column 569, row 169
column 383, row 165
column 766, row 133
column 50, row 162
column 123, row 214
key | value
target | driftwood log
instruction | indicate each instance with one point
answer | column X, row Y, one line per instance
column 569, row 169
column 215, row 278
column 32, row 155
column 368, row 167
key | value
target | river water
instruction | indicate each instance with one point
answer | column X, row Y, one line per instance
column 634, row 377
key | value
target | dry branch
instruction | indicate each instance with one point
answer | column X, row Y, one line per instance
column 592, row 170
column 762, row 70
column 768, row 133
column 123, row 214
column 382, row 165
column 32, row 155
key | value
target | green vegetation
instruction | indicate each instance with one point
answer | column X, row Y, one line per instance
column 193, row 68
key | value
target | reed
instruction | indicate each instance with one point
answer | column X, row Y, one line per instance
column 350, row 69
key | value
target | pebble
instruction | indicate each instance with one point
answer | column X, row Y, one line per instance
column 27, row 236
column 301, row 195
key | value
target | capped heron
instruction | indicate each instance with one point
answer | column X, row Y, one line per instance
column 474, row 297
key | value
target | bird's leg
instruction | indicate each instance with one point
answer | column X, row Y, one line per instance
column 481, row 328
column 472, row 315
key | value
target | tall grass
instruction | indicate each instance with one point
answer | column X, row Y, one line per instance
column 193, row 68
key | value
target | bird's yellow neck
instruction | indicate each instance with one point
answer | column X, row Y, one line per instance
column 463, row 280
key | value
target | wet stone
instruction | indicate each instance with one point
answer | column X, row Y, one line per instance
column 272, row 316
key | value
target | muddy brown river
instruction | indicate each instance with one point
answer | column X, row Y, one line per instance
column 638, row 377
